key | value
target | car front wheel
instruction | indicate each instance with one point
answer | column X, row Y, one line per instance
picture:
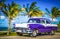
column 20, row 34
column 34, row 34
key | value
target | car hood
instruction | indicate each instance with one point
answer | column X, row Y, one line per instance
column 23, row 25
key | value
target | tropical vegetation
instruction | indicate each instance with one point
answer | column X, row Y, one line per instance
column 53, row 13
column 58, row 25
column 32, row 10
column 10, row 11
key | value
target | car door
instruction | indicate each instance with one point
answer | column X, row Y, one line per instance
column 47, row 25
column 42, row 26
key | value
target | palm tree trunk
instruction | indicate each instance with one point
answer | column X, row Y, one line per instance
column 9, row 26
column 52, row 19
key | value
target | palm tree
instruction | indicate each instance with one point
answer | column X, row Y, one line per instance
column 10, row 11
column 2, row 3
column 32, row 10
column 58, row 14
column 53, row 13
column 58, row 25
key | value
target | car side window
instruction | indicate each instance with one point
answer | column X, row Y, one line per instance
column 47, row 22
column 42, row 21
column 32, row 21
column 38, row 21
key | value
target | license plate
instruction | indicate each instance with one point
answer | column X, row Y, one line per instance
column 24, row 31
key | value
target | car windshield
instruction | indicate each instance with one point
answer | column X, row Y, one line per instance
column 34, row 21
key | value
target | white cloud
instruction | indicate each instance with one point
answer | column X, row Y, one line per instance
column 48, row 17
column 12, row 21
column 53, row 19
column 2, row 17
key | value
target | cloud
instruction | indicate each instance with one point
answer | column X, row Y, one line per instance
column 48, row 17
column 13, row 21
column 2, row 17
column 53, row 19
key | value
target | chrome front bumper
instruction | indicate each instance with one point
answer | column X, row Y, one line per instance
column 23, row 30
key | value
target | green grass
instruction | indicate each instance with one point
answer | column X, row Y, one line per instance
column 5, row 34
column 13, row 34
column 58, row 31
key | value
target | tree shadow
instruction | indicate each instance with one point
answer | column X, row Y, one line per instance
column 38, row 35
column 3, row 34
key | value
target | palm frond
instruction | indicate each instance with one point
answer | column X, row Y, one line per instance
column 26, row 7
column 2, row 0
column 5, row 13
column 32, row 6
column 47, row 10
column 58, row 13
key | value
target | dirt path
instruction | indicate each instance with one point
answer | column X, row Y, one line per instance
column 56, row 36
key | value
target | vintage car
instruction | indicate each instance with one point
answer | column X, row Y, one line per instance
column 35, row 26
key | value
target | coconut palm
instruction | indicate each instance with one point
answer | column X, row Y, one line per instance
column 10, row 11
column 2, row 3
column 32, row 10
column 58, row 14
column 58, row 26
column 53, row 13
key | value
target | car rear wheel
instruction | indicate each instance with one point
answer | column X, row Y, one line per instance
column 52, row 32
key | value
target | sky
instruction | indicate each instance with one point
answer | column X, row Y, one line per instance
column 42, row 4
